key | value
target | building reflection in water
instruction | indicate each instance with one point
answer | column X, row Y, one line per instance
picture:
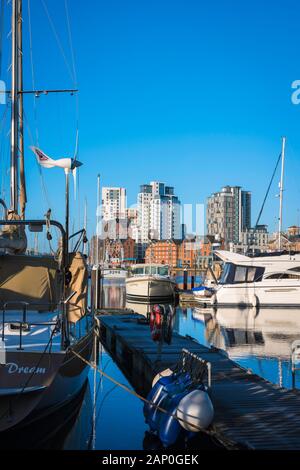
column 259, row 339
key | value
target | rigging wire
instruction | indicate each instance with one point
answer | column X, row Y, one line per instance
column 1, row 33
column 263, row 204
column 76, row 150
column 60, row 46
column 32, row 74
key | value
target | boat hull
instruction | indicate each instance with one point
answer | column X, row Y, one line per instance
column 58, row 378
column 263, row 294
column 150, row 287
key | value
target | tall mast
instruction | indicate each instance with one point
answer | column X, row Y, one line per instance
column 85, row 226
column 281, row 192
column 14, row 109
column 98, row 220
column 22, row 196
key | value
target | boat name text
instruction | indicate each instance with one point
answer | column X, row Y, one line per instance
column 14, row 368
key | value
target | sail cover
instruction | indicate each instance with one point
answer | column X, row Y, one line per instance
column 79, row 285
column 31, row 279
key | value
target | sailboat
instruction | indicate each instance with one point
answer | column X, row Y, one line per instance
column 45, row 317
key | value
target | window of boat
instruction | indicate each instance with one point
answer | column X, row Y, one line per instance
column 240, row 274
column 138, row 270
column 163, row 271
column 228, row 274
column 251, row 274
column 283, row 276
column 296, row 269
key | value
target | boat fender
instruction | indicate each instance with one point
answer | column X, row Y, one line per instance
column 195, row 410
column 169, row 426
column 162, row 397
column 164, row 373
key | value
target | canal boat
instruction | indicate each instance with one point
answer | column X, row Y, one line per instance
column 269, row 280
column 150, row 281
column 45, row 322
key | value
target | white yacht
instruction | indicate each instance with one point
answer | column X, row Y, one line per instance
column 150, row 281
column 269, row 280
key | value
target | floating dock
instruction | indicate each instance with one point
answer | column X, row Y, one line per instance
column 250, row 412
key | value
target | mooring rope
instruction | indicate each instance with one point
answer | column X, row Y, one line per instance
column 211, row 432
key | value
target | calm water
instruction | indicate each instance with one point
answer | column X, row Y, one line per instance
column 107, row 417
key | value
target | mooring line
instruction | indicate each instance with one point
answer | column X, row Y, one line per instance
column 210, row 432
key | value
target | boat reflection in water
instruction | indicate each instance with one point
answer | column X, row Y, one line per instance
column 70, row 428
column 113, row 294
column 259, row 339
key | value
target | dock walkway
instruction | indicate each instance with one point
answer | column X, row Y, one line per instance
column 250, row 412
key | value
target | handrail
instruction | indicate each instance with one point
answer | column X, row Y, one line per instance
column 44, row 223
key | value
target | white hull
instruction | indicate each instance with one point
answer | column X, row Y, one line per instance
column 267, row 293
column 150, row 287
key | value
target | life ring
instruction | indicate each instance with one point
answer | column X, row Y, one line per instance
column 156, row 315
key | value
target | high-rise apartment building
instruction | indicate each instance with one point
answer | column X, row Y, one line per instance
column 113, row 203
column 228, row 214
column 158, row 213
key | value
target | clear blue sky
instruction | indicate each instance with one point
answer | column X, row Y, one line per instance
column 191, row 92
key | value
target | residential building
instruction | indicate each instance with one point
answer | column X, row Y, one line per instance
column 228, row 214
column 120, row 251
column 192, row 253
column 162, row 252
column 113, row 203
column 159, row 215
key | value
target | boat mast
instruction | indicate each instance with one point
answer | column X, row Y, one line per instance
column 281, row 192
column 14, row 108
column 85, row 226
column 22, row 196
column 98, row 220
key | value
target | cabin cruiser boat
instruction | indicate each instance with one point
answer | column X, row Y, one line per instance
column 150, row 281
column 268, row 280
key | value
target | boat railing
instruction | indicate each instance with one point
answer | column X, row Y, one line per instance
column 199, row 368
column 23, row 325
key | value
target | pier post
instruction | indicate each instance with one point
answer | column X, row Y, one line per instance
column 185, row 279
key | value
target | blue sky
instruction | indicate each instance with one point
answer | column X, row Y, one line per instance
column 190, row 92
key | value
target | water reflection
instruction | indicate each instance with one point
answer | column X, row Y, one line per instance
column 67, row 428
column 113, row 294
column 260, row 340
column 107, row 417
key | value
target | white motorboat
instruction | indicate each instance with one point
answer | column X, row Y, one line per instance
column 269, row 280
column 150, row 281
